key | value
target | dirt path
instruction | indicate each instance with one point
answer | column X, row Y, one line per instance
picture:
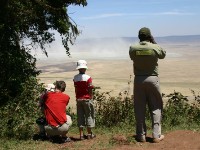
column 176, row 140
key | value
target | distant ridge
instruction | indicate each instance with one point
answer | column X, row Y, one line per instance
column 164, row 39
column 116, row 45
column 183, row 38
column 171, row 39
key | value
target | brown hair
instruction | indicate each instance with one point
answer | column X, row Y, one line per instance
column 60, row 85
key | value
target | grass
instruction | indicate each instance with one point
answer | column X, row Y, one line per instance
column 102, row 141
column 115, row 131
column 105, row 138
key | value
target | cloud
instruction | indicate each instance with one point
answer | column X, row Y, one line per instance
column 110, row 15
column 176, row 12
column 104, row 16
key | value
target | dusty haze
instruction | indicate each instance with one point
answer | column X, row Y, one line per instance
column 110, row 66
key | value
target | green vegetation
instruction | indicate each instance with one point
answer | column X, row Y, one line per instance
column 18, row 115
column 114, row 116
column 26, row 25
column 179, row 112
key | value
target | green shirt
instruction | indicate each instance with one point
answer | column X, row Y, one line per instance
column 145, row 57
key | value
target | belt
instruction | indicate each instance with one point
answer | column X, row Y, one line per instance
column 56, row 126
column 145, row 75
column 83, row 99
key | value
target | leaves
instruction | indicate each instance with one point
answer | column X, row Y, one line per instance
column 27, row 25
column 35, row 19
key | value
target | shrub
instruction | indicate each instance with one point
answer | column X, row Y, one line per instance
column 194, row 111
column 181, row 112
column 113, row 110
column 20, row 113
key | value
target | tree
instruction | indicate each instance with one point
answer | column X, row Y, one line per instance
column 25, row 25
column 33, row 20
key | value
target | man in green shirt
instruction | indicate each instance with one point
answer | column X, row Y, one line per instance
column 145, row 55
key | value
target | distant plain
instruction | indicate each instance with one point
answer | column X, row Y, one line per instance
column 110, row 67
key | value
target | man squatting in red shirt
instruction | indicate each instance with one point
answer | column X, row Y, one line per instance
column 58, row 122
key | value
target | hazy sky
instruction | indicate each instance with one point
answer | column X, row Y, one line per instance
column 123, row 18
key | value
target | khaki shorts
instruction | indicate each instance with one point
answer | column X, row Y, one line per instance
column 60, row 130
column 85, row 113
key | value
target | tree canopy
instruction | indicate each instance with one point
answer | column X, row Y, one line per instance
column 35, row 19
column 25, row 25
column 32, row 21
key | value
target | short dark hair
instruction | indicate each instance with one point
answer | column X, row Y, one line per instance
column 143, row 37
column 60, row 85
column 144, row 34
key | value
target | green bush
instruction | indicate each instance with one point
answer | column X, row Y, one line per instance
column 176, row 109
column 20, row 113
column 179, row 112
column 113, row 110
column 195, row 108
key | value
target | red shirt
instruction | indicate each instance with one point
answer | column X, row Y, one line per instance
column 83, row 85
column 55, row 108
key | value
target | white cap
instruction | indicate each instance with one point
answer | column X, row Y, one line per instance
column 82, row 64
column 50, row 87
